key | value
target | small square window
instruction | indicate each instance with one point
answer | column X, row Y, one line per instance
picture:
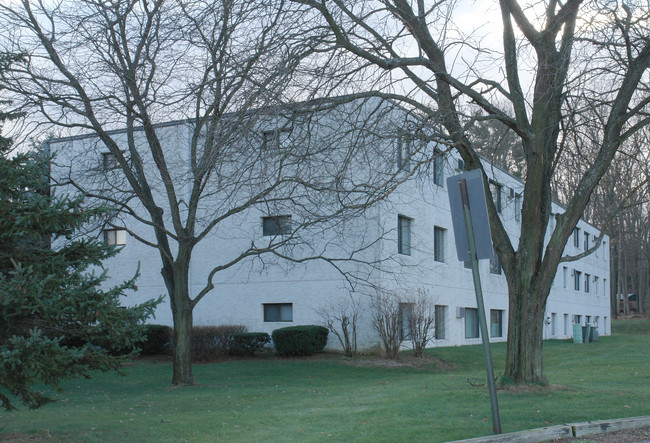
column 109, row 161
column 278, row 312
column 115, row 237
column 276, row 225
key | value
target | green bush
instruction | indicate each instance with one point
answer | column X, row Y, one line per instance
column 248, row 343
column 300, row 340
column 210, row 342
column 157, row 340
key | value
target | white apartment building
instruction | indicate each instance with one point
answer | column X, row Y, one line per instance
column 407, row 238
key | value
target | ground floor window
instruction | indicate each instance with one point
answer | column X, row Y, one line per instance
column 440, row 322
column 553, row 323
column 275, row 312
column 566, row 324
column 405, row 315
column 471, row 323
column 496, row 323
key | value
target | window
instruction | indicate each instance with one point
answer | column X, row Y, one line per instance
column 440, row 322
column 588, row 319
column 586, row 242
column 566, row 324
column 405, row 314
column 272, row 139
column 577, row 319
column 438, row 244
column 403, row 235
column 576, row 280
column 576, row 237
column 604, row 286
column 518, row 207
column 496, row 323
column 565, row 271
column 109, row 161
column 496, row 190
column 276, row 225
column 595, row 285
column 495, row 264
column 404, row 154
column 471, row 323
column 553, row 323
column 587, row 277
column 277, row 312
column 115, row 236
column 438, row 168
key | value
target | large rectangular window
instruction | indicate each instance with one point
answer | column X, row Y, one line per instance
column 587, row 278
column 405, row 315
column 553, row 323
column 115, row 236
column 586, row 242
column 403, row 235
column 278, row 312
column 576, row 280
column 595, row 285
column 518, row 207
column 276, row 225
column 496, row 190
column 438, row 168
column 440, row 321
column 566, row 324
column 438, row 244
column 565, row 271
column 404, row 154
column 576, row 237
column 496, row 323
column 471, row 323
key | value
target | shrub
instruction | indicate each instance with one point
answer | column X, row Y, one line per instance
column 157, row 339
column 248, row 343
column 300, row 340
column 210, row 342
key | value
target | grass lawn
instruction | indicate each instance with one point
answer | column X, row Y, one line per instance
column 333, row 398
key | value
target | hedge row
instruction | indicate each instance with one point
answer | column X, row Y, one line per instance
column 210, row 342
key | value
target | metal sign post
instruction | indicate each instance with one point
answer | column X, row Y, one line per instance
column 478, row 197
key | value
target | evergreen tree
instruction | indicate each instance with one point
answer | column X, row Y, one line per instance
column 56, row 320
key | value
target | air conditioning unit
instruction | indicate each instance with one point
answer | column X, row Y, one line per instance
column 460, row 312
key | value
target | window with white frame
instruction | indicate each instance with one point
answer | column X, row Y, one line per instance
column 438, row 168
column 439, row 244
column 595, row 289
column 576, row 237
column 278, row 312
column 497, row 190
column 585, row 243
column 471, row 323
column 587, row 278
column 566, row 324
column 577, row 275
column 565, row 272
column 403, row 235
column 496, row 323
column 440, row 325
column 577, row 319
column 276, row 225
column 272, row 139
column 115, row 236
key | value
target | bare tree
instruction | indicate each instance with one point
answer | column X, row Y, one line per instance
column 388, row 321
column 240, row 146
column 420, row 315
column 557, row 60
column 342, row 318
